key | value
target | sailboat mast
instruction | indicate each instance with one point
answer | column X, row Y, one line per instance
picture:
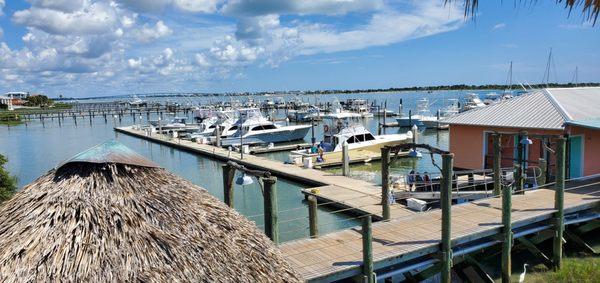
column 546, row 79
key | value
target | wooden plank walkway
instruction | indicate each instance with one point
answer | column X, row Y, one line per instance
column 339, row 255
column 366, row 195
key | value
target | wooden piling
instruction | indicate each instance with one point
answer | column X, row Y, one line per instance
column 367, row 249
column 312, row 217
column 270, row 206
column 345, row 159
column 507, row 235
column 228, row 174
column 559, row 202
column 385, row 182
column 497, row 163
column 446, row 203
column 541, row 179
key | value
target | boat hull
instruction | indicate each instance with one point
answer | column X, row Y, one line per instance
column 406, row 122
column 285, row 134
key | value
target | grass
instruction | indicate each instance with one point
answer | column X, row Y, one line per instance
column 585, row 269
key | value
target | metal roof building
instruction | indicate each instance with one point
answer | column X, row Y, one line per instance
column 548, row 109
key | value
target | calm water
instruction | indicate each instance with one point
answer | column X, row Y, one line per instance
column 35, row 148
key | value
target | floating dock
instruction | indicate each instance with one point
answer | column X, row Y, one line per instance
column 408, row 242
column 361, row 197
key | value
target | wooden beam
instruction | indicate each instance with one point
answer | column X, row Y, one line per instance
column 535, row 251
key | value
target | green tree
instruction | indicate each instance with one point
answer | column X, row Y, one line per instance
column 38, row 100
column 8, row 184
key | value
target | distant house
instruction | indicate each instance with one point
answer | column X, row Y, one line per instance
column 17, row 94
column 544, row 115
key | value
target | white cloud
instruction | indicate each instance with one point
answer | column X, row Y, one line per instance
column 2, row 7
column 383, row 29
column 1, row 32
column 147, row 33
column 105, row 46
column 61, row 5
column 499, row 26
column 194, row 6
column 329, row 7
column 97, row 18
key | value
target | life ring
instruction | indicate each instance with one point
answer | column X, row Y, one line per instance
column 326, row 128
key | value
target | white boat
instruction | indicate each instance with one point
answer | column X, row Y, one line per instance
column 178, row 124
column 362, row 144
column 472, row 101
column 313, row 113
column 422, row 117
column 253, row 128
column 361, row 107
column 137, row 102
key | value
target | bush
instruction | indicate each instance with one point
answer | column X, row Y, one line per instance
column 8, row 184
column 3, row 106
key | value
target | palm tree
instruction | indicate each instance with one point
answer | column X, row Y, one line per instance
column 590, row 8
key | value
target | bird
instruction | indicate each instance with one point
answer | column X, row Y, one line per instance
column 522, row 276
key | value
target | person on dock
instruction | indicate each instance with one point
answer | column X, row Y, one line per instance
column 427, row 181
column 411, row 180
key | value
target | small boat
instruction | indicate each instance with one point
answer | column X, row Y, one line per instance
column 362, row 144
column 253, row 128
column 472, row 101
column 313, row 113
column 361, row 107
column 137, row 102
column 177, row 124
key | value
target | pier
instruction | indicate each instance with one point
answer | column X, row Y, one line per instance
column 409, row 242
column 359, row 196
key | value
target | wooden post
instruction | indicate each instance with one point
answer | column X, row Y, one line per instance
column 507, row 235
column 228, row 174
column 520, row 181
column 345, row 159
column 367, row 249
column 541, row 180
column 410, row 124
column 312, row 216
column 270, row 206
column 559, row 202
column 218, row 135
column 446, row 203
column 497, row 164
column 385, row 182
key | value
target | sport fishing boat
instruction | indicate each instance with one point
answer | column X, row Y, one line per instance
column 422, row 117
column 313, row 113
column 472, row 101
column 361, row 107
column 362, row 144
column 178, row 124
column 253, row 128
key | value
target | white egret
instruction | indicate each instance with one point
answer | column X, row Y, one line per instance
column 522, row 276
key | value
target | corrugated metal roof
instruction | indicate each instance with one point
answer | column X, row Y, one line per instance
column 577, row 103
column 534, row 110
column 112, row 152
column 590, row 123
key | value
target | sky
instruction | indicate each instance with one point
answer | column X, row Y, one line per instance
column 87, row 48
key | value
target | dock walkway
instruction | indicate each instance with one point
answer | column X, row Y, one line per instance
column 338, row 255
column 364, row 197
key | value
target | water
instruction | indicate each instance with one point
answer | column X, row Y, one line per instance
column 35, row 148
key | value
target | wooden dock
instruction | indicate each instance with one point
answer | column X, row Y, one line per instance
column 365, row 197
column 408, row 239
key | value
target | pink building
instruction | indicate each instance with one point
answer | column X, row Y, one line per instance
column 543, row 115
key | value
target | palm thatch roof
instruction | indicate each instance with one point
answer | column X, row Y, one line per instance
column 590, row 8
column 111, row 215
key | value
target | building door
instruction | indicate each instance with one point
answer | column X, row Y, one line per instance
column 575, row 156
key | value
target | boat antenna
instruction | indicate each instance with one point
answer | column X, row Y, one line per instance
column 575, row 77
column 509, row 77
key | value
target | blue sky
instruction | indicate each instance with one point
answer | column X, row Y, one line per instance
column 82, row 48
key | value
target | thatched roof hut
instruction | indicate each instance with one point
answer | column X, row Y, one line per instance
column 110, row 215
